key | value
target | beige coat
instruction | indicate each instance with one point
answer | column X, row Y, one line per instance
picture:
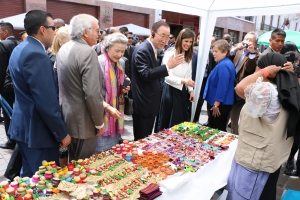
column 80, row 88
column 263, row 146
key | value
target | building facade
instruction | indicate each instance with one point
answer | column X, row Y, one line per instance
column 237, row 27
column 112, row 14
column 109, row 14
column 270, row 22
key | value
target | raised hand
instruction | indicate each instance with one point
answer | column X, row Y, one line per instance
column 175, row 60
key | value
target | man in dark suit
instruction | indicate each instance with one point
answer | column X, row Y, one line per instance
column 245, row 56
column 37, row 123
column 7, row 44
column 146, row 74
column 128, row 53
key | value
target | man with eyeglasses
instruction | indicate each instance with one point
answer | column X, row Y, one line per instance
column 37, row 123
column 145, row 78
column 128, row 53
column 171, row 42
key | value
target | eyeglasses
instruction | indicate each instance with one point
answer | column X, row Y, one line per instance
column 129, row 37
column 52, row 27
column 166, row 37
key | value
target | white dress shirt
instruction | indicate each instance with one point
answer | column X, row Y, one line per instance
column 177, row 74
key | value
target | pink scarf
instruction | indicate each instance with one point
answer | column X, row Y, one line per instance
column 114, row 79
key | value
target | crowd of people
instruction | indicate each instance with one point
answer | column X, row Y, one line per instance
column 67, row 86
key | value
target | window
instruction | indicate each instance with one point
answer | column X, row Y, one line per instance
column 218, row 32
column 234, row 36
column 249, row 18
column 262, row 25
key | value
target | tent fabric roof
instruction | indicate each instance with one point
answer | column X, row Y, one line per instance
column 209, row 10
column 137, row 30
column 220, row 8
column 17, row 21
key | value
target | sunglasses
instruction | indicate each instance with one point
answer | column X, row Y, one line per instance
column 130, row 37
column 52, row 27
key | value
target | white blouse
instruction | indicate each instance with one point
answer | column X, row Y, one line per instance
column 177, row 74
column 262, row 100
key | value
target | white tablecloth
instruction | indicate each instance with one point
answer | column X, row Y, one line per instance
column 202, row 184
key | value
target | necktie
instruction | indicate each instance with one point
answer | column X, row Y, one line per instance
column 239, row 63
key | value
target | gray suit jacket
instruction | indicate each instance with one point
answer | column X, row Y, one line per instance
column 80, row 88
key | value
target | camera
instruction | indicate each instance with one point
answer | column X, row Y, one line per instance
column 293, row 57
column 290, row 56
column 245, row 45
column 127, row 82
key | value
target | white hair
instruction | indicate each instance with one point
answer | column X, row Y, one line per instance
column 114, row 38
column 79, row 24
column 252, row 33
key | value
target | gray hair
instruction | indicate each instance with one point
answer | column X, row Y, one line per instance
column 79, row 24
column 252, row 33
column 114, row 38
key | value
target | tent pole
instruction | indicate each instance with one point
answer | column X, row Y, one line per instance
column 208, row 22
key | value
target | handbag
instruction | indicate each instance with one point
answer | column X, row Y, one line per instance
column 128, row 106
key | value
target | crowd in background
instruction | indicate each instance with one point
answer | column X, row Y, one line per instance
column 70, row 85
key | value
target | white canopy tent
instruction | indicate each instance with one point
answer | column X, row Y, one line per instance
column 209, row 10
column 17, row 21
column 137, row 30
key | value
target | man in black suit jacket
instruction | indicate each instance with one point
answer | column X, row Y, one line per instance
column 7, row 44
column 128, row 54
column 146, row 74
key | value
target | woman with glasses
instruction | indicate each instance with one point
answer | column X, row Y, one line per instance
column 178, row 86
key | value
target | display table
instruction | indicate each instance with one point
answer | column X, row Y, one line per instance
column 188, row 161
column 201, row 184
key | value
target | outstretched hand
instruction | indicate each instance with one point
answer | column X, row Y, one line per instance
column 175, row 60
column 114, row 112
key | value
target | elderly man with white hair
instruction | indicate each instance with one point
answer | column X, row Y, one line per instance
column 80, row 86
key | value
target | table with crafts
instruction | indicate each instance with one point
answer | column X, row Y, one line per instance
column 187, row 161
